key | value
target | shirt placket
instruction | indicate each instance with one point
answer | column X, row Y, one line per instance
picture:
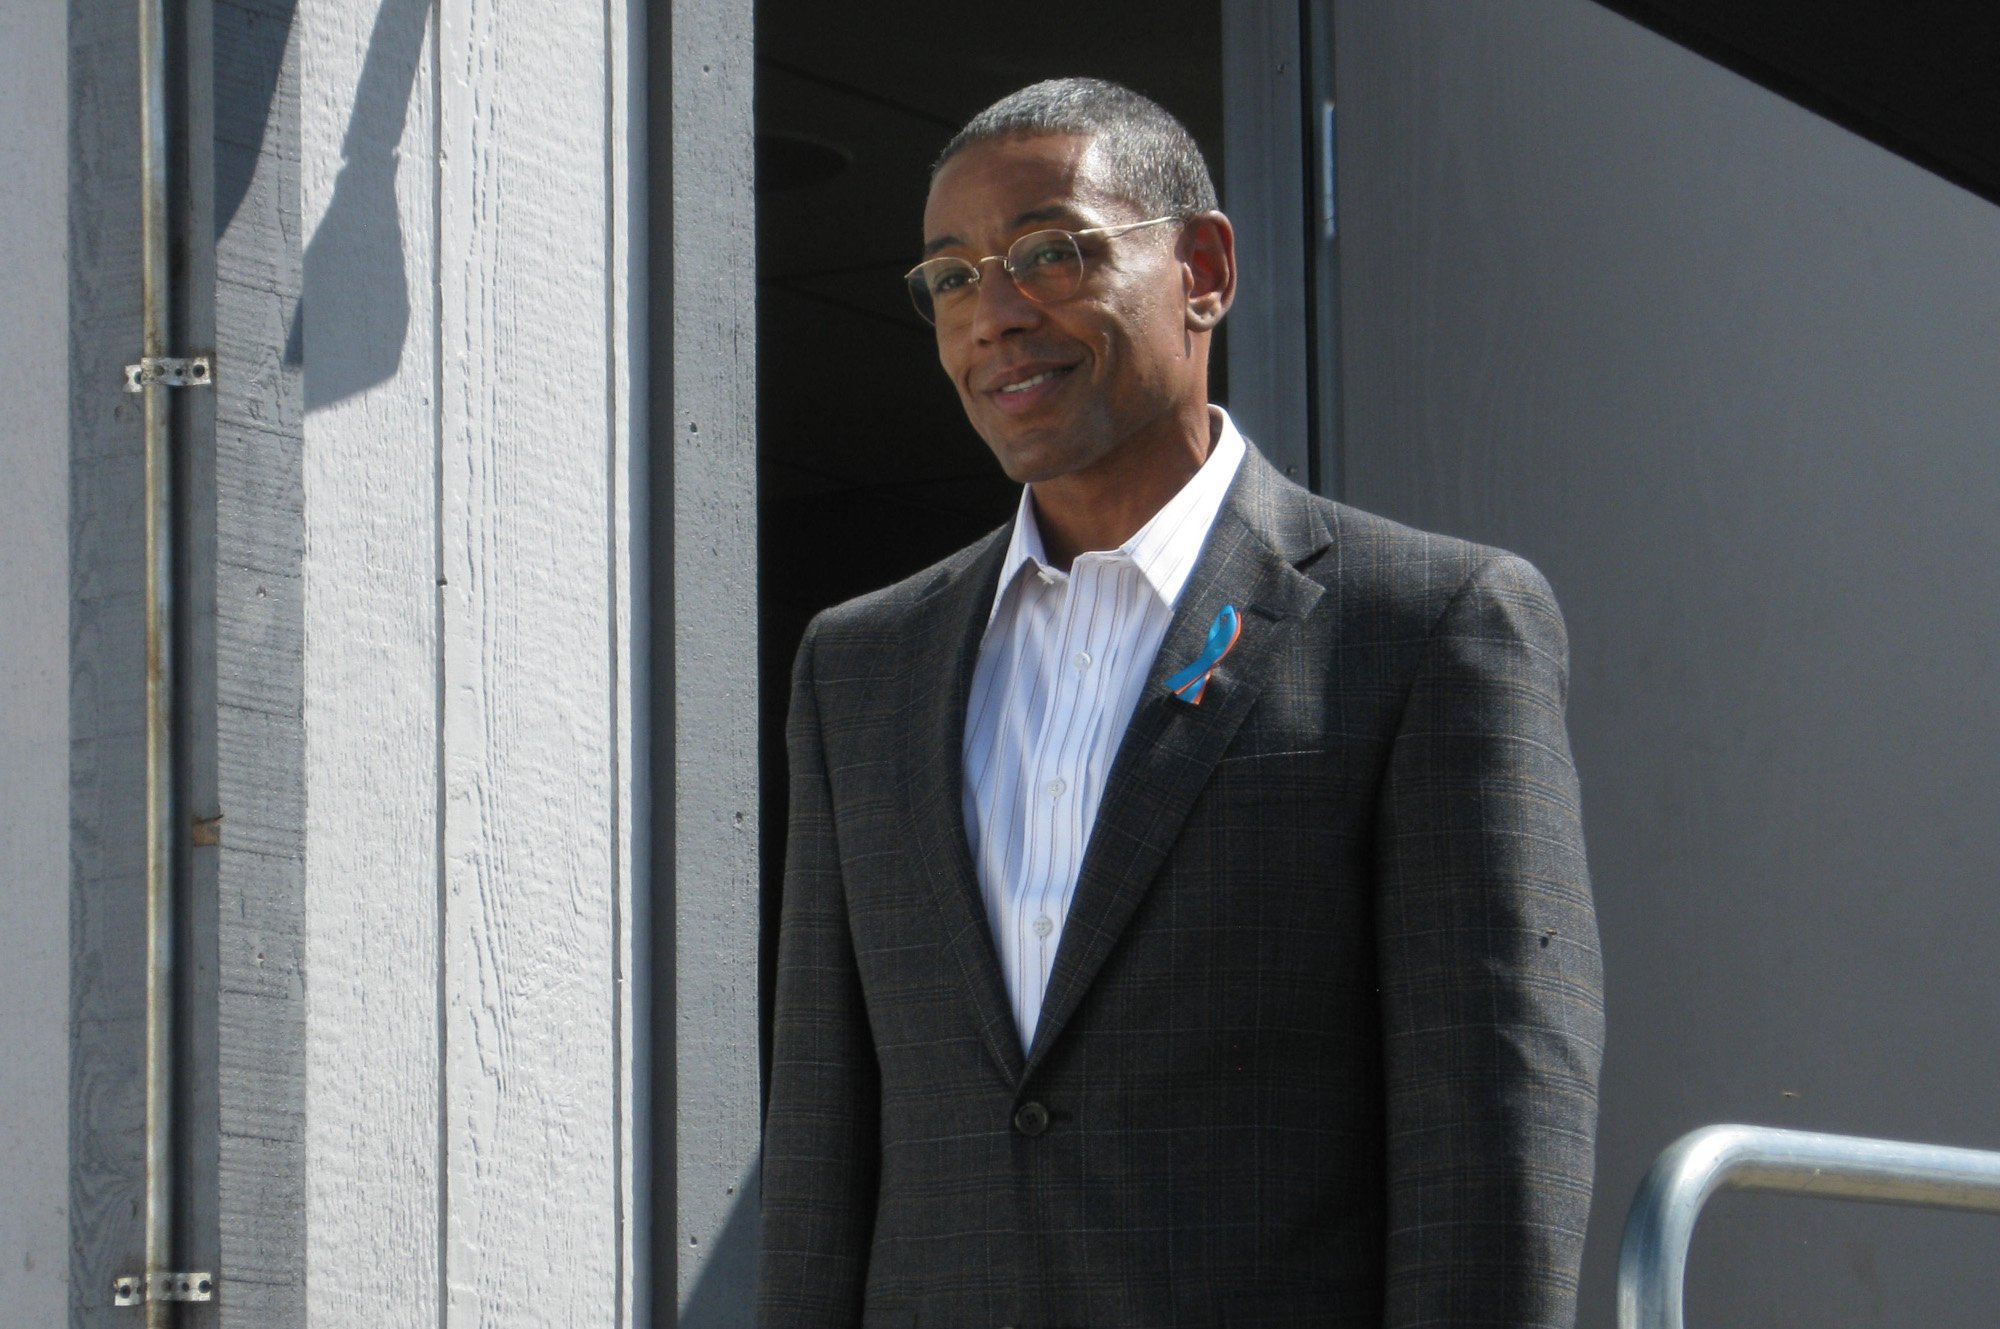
column 1046, row 858
column 1068, row 749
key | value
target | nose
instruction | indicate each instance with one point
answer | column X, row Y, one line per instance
column 1000, row 307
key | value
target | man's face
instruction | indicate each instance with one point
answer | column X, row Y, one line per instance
column 1091, row 382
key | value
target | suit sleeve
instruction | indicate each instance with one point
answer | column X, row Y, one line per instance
column 1492, row 985
column 821, row 1134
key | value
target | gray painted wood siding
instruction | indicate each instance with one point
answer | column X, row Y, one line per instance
column 106, row 671
column 495, row 884
column 34, row 666
column 433, row 639
column 375, row 903
column 239, row 1047
column 245, row 1185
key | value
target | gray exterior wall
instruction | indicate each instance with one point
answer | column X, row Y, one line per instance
column 465, row 345
column 423, row 661
column 106, row 668
column 34, row 665
column 1731, row 377
column 529, row 663
column 237, row 820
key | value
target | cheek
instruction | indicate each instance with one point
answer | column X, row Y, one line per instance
column 1141, row 336
column 951, row 363
column 1105, row 334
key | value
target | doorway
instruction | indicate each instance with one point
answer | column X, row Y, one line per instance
column 867, row 468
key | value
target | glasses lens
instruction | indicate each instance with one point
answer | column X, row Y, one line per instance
column 1046, row 265
column 939, row 284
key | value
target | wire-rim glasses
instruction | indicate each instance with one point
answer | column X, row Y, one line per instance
column 1045, row 266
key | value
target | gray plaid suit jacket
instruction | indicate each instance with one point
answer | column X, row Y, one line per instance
column 1322, row 1039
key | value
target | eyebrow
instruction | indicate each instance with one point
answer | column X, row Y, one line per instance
column 1053, row 212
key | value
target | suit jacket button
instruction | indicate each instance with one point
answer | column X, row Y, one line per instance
column 1032, row 1119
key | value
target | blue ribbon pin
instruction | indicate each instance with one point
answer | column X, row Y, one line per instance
column 1192, row 681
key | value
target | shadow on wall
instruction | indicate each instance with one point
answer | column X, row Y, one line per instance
column 724, row 1292
column 354, row 282
column 255, row 61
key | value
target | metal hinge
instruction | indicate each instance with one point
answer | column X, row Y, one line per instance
column 169, row 372
column 135, row 1289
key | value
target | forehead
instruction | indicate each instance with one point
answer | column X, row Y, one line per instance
column 997, row 185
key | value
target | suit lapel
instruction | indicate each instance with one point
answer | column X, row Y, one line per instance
column 943, row 649
column 1264, row 528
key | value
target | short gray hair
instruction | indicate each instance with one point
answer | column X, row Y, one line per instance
column 1154, row 161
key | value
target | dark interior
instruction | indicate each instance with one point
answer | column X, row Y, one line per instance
column 867, row 469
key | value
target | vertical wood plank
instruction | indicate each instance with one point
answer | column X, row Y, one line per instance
column 107, row 672
column 714, row 660
column 375, row 1200
column 252, row 584
column 532, row 1041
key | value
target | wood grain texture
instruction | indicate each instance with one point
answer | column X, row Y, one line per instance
column 254, row 582
column 532, row 1039
column 714, row 665
column 374, row 1197
column 470, row 619
column 106, row 670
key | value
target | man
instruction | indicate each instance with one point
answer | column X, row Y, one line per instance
column 1185, row 919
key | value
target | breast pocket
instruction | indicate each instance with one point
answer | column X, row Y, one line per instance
column 1284, row 831
column 1265, row 789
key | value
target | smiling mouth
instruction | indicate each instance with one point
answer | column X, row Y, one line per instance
column 1033, row 382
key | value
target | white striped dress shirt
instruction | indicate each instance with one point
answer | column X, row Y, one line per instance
column 1061, row 667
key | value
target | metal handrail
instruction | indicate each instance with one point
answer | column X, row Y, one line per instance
column 1652, row 1263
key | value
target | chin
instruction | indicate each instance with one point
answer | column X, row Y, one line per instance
column 1023, row 470
column 1023, row 460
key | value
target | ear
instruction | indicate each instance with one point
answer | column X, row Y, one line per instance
column 1208, row 269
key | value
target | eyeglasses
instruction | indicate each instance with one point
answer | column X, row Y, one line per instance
column 1045, row 266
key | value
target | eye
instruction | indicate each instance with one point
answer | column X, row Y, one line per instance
column 951, row 277
column 1047, row 254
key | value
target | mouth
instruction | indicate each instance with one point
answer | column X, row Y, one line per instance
column 1027, row 393
column 1027, row 383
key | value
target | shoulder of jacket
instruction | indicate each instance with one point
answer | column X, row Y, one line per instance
column 1406, row 563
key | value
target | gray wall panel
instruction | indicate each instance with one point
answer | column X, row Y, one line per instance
column 34, row 666
column 106, row 597
column 703, row 597
column 244, row 1206
column 1731, row 376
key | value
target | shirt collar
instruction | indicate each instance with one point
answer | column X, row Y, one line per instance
column 1164, row 549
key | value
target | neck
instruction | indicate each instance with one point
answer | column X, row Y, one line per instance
column 1102, row 508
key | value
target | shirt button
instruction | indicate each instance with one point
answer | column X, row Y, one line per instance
column 1049, row 576
column 1082, row 660
column 1043, row 926
column 1055, row 788
column 1032, row 1119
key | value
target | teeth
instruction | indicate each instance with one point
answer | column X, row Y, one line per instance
column 1027, row 383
